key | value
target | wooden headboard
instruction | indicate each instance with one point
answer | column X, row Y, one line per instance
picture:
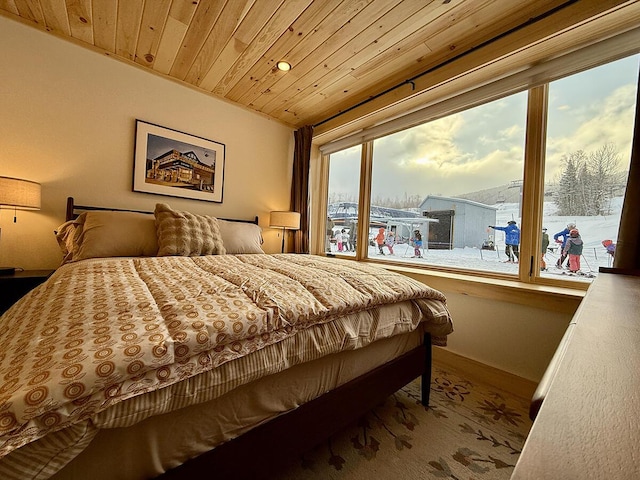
column 74, row 210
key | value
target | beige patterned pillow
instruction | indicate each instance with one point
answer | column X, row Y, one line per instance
column 186, row 234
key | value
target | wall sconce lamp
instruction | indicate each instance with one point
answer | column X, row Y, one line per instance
column 20, row 195
column 286, row 221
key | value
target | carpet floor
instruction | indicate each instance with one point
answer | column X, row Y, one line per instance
column 471, row 430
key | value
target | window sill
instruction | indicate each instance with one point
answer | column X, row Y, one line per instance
column 555, row 298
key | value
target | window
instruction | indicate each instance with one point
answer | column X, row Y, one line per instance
column 438, row 187
column 589, row 135
column 458, row 181
column 342, row 208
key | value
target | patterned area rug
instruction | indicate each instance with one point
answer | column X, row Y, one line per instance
column 470, row 431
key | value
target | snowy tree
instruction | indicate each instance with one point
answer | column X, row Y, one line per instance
column 340, row 197
column 587, row 182
column 567, row 195
column 584, row 188
column 604, row 164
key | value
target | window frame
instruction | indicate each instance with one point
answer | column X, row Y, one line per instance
column 534, row 157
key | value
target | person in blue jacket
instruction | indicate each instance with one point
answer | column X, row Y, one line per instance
column 512, row 240
column 564, row 234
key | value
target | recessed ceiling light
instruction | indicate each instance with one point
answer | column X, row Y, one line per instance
column 284, row 66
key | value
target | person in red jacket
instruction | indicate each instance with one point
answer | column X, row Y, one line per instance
column 610, row 246
column 380, row 240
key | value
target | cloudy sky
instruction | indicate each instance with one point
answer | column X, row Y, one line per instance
column 484, row 147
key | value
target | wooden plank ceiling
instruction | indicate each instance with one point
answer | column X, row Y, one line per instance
column 342, row 52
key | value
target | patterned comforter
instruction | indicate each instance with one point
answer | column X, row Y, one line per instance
column 100, row 332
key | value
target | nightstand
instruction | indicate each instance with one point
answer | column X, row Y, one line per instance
column 14, row 286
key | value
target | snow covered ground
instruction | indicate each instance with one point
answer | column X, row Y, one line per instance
column 592, row 230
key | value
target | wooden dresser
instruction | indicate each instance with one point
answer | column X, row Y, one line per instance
column 588, row 425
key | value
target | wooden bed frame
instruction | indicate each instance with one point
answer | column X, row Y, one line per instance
column 282, row 439
column 74, row 210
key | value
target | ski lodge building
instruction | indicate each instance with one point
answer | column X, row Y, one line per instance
column 460, row 223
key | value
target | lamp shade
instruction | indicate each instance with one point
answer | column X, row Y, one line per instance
column 289, row 220
column 18, row 193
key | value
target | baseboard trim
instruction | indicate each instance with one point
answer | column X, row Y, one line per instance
column 506, row 381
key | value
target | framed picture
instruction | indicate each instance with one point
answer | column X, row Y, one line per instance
column 169, row 162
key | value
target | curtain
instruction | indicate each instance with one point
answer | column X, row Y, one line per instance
column 627, row 255
column 300, row 186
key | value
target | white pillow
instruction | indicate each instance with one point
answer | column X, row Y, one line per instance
column 240, row 237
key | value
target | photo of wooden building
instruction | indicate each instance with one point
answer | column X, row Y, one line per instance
column 184, row 170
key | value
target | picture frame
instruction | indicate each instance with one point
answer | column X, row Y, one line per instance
column 177, row 164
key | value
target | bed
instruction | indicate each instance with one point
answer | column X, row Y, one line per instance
column 169, row 345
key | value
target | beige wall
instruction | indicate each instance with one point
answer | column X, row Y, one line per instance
column 518, row 339
column 67, row 120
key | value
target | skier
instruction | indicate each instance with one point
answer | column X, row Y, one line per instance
column 390, row 242
column 573, row 249
column 511, row 239
column 345, row 240
column 565, row 236
column 417, row 244
column 380, row 240
column 338, row 239
column 352, row 235
column 610, row 246
column 545, row 246
column 329, row 237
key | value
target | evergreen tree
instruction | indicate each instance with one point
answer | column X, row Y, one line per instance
column 567, row 193
column 586, row 183
column 583, row 189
